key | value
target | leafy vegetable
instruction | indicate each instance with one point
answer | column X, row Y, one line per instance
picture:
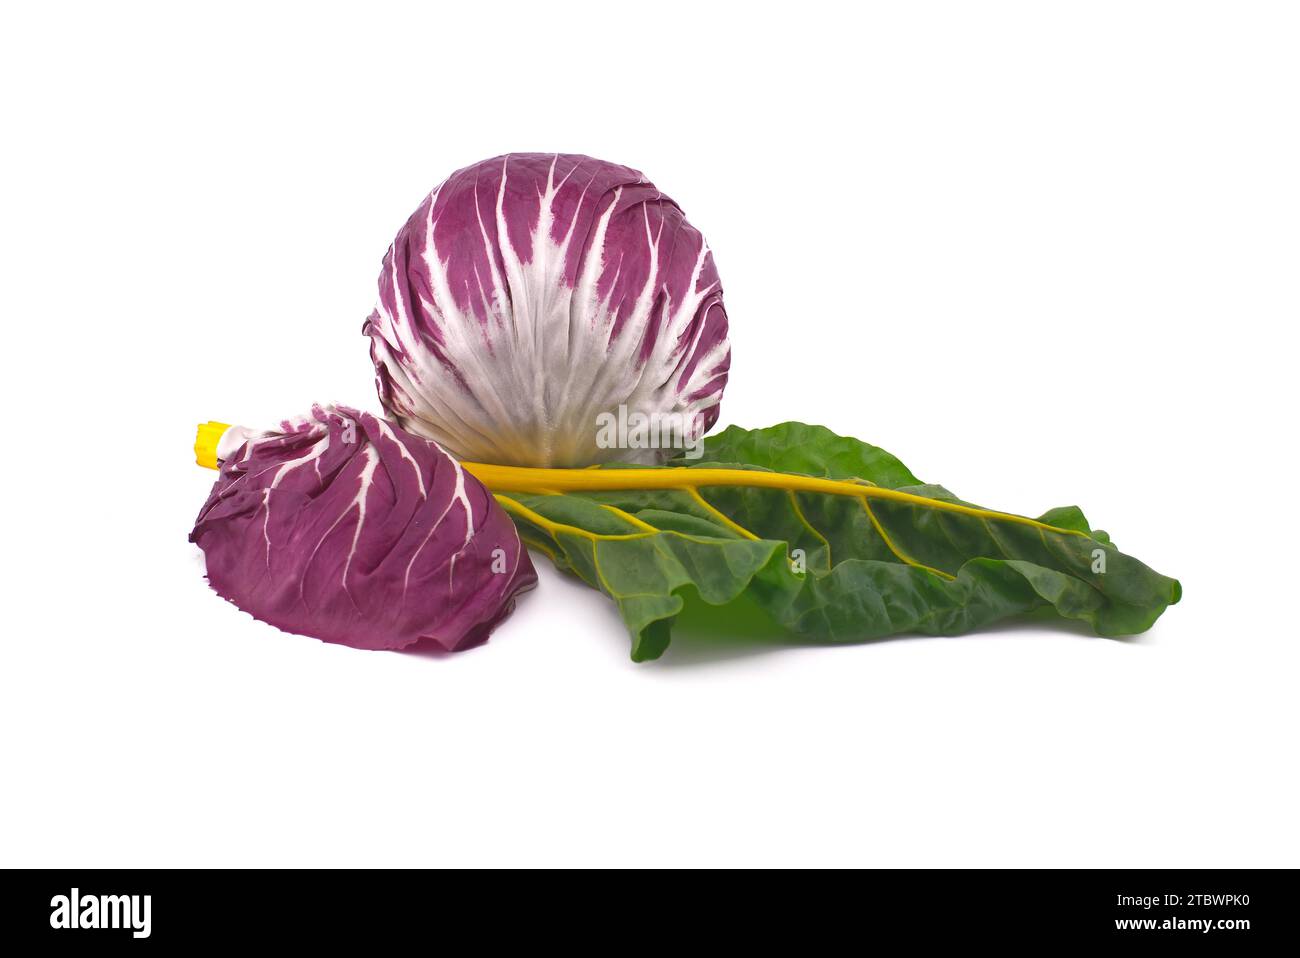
column 529, row 306
column 531, row 294
column 352, row 530
column 841, row 544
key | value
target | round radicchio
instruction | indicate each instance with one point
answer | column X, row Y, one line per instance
column 350, row 529
column 532, row 300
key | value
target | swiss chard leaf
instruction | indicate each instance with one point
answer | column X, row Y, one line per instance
column 860, row 551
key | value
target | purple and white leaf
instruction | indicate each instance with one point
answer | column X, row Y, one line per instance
column 350, row 529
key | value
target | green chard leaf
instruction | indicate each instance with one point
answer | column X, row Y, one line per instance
column 859, row 551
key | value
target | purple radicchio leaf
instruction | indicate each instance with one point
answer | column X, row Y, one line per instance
column 345, row 527
column 532, row 293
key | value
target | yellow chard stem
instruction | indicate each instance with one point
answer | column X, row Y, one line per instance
column 503, row 479
column 549, row 481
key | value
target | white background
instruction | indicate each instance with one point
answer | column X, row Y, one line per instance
column 1045, row 253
